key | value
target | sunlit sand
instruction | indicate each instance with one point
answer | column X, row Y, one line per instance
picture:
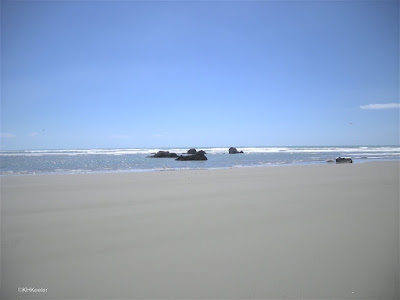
column 328, row 231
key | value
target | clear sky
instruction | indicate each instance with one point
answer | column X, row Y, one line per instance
column 104, row 74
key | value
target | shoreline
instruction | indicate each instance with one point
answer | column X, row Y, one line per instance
column 315, row 231
column 311, row 163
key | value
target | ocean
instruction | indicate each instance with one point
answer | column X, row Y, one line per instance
column 136, row 160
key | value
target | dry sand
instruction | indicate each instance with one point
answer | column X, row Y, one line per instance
column 327, row 231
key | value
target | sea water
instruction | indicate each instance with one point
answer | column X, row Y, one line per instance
column 138, row 160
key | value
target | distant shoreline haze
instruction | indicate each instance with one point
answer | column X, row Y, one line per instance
column 160, row 147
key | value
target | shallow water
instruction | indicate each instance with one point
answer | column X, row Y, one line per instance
column 137, row 160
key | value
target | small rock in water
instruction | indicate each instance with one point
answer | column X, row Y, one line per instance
column 344, row 160
column 191, row 151
column 200, row 155
column 233, row 150
column 163, row 154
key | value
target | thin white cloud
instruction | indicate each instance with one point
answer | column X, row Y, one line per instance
column 381, row 106
column 7, row 135
column 34, row 134
column 119, row 136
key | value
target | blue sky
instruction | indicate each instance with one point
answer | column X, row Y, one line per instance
column 103, row 74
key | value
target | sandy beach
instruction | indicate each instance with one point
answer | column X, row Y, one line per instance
column 319, row 231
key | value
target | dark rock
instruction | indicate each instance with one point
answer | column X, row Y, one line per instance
column 163, row 154
column 198, row 156
column 233, row 150
column 330, row 161
column 344, row 160
column 192, row 151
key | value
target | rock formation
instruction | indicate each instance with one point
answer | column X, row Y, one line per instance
column 200, row 155
column 233, row 150
column 343, row 160
column 163, row 154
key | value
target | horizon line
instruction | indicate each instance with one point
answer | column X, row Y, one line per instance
column 200, row 147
